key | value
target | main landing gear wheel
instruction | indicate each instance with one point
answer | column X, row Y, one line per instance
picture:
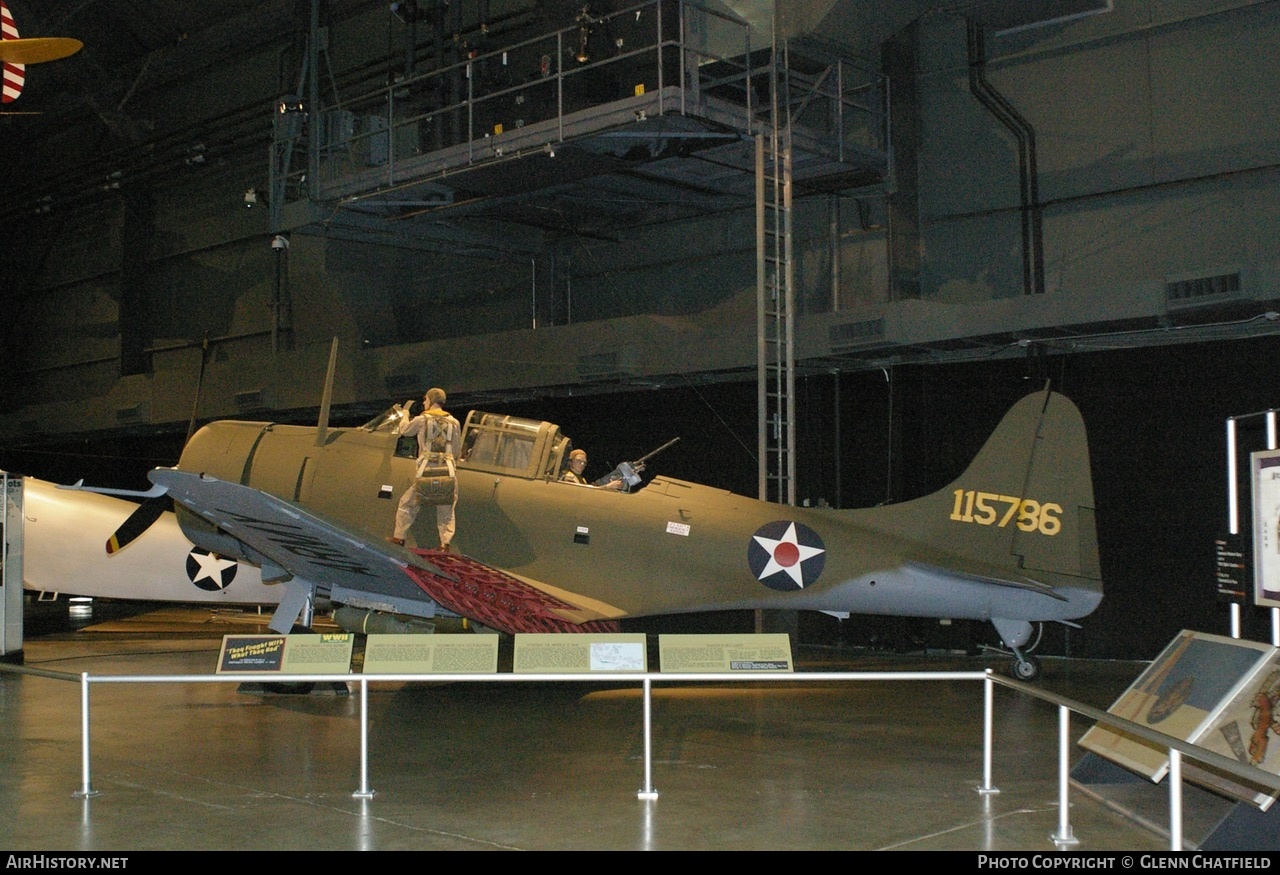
column 1025, row 668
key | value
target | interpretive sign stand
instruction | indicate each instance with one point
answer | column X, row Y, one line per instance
column 1215, row 692
column 715, row 653
column 558, row 653
column 286, row 654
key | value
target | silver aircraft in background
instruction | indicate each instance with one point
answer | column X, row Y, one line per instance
column 64, row 531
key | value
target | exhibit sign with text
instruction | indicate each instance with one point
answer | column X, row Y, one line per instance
column 430, row 654
column 1265, row 467
column 725, row 653
column 1184, row 693
column 558, row 653
column 286, row 654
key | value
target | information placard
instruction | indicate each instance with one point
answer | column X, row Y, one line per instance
column 1266, row 528
column 286, row 654
column 562, row 653
column 1186, row 688
column 431, row 654
column 1230, row 569
column 725, row 653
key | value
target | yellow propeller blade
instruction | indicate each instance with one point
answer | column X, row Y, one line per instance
column 38, row 49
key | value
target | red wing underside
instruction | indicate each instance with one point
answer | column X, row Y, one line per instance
column 498, row 600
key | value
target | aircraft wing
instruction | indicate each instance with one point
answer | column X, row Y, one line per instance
column 65, row 530
column 367, row 573
column 302, row 543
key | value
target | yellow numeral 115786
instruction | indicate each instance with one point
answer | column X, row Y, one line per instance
column 984, row 508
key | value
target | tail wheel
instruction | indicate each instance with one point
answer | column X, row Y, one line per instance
column 1025, row 668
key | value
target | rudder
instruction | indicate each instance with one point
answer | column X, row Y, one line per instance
column 1039, row 454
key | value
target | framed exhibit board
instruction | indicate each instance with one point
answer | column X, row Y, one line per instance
column 770, row 651
column 1182, row 693
column 1265, row 480
column 328, row 653
column 556, row 652
column 1247, row 730
column 399, row 653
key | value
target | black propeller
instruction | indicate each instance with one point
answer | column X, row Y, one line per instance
column 137, row 522
column 157, row 501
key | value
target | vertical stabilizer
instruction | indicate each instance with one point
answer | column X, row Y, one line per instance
column 1025, row 503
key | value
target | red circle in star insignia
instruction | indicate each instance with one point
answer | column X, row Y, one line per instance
column 786, row 554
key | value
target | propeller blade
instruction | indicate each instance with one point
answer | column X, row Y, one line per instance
column 38, row 49
column 137, row 523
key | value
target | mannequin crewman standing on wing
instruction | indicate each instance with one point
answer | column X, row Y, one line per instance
column 437, row 481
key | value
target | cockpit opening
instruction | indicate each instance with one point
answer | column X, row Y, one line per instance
column 509, row 445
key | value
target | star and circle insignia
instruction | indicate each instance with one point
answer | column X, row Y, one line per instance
column 209, row 571
column 786, row 555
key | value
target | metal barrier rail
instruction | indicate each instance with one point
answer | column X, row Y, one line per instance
column 1176, row 747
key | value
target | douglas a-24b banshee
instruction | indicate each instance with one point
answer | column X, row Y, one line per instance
column 1012, row 541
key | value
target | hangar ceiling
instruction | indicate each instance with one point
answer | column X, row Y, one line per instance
column 107, row 111
column 83, row 119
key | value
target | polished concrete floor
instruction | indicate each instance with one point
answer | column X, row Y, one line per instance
column 514, row 766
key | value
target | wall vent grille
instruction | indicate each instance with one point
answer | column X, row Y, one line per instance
column 851, row 335
column 1194, row 291
column 252, row 399
column 606, row 365
column 136, row 413
column 404, row 384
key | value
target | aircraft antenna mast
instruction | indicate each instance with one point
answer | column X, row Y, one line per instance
column 775, row 290
column 326, row 400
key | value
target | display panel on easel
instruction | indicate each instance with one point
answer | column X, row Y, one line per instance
column 1265, row 468
column 1180, row 694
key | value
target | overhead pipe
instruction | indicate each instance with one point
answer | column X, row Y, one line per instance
column 1029, row 194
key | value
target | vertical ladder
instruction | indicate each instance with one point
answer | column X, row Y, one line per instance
column 299, row 121
column 775, row 294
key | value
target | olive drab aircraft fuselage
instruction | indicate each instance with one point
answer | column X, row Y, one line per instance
column 1012, row 541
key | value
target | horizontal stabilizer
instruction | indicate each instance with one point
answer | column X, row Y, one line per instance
column 959, row 574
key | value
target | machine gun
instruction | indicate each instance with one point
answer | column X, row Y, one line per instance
column 629, row 472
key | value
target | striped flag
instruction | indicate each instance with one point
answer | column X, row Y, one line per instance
column 14, row 74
